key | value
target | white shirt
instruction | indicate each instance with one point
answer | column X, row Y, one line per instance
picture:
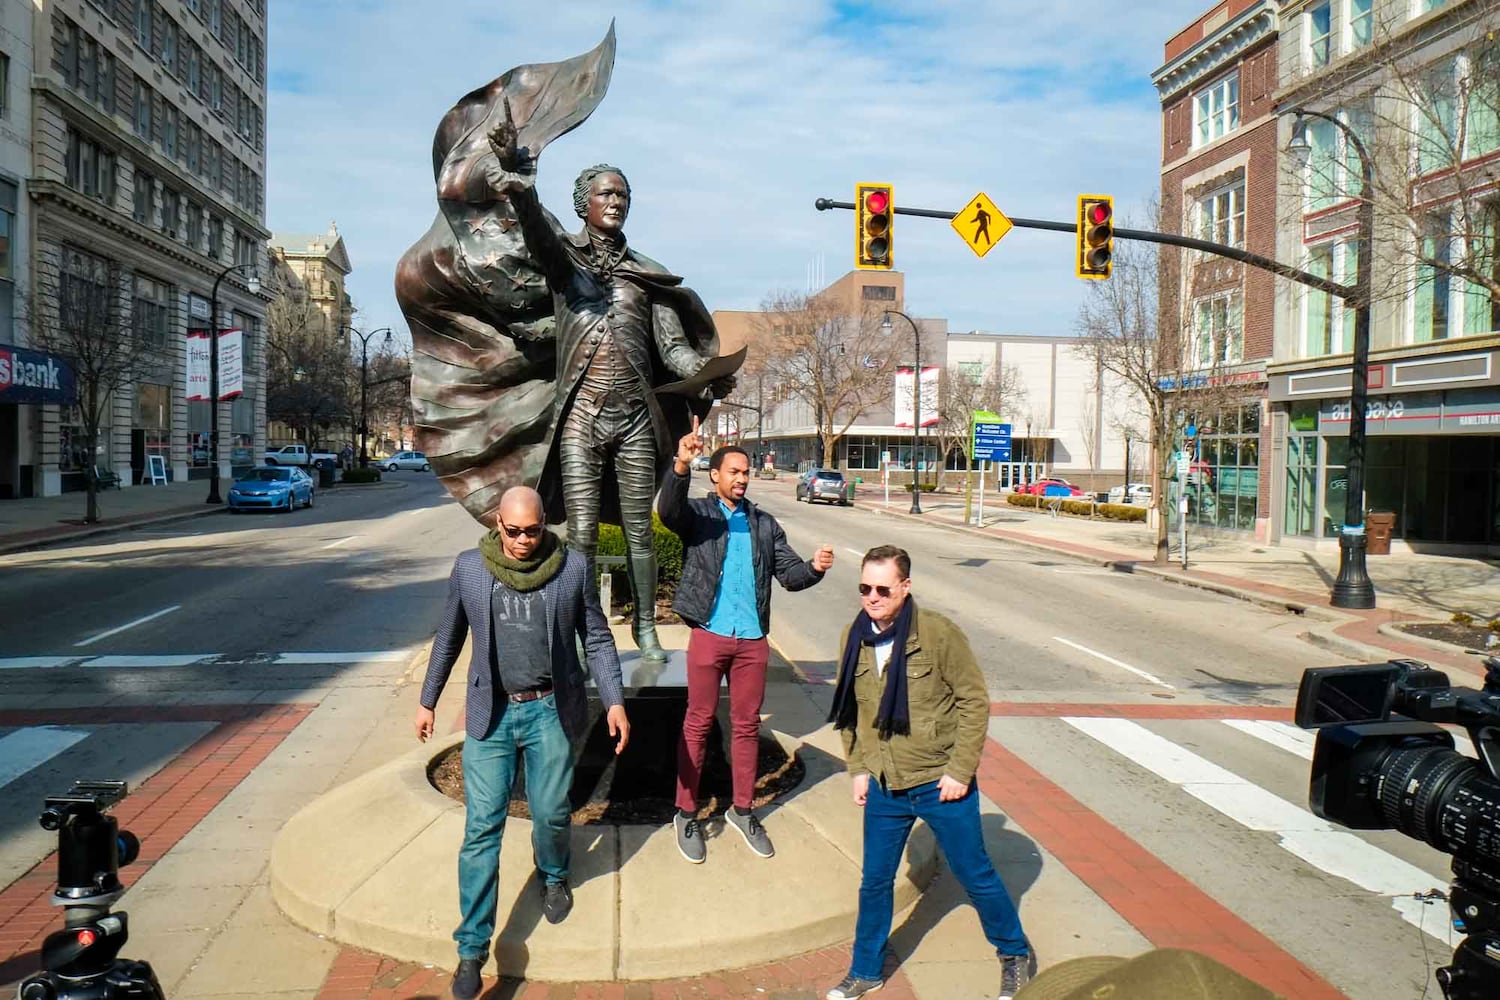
column 882, row 651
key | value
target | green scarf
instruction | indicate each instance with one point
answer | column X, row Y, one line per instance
column 523, row 575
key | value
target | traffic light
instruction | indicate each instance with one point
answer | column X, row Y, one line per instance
column 874, row 211
column 1096, row 235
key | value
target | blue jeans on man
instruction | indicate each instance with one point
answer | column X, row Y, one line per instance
column 531, row 731
column 888, row 820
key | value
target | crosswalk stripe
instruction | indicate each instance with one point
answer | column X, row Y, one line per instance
column 27, row 749
column 1315, row 841
column 1278, row 734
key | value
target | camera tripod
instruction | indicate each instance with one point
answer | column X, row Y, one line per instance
column 1475, row 903
column 81, row 961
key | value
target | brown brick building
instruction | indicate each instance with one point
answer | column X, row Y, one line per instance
column 1219, row 183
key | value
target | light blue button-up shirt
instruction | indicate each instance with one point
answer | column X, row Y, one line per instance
column 735, row 611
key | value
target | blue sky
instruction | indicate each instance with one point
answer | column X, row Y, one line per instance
column 730, row 118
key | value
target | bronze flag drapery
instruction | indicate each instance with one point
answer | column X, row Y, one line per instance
column 480, row 313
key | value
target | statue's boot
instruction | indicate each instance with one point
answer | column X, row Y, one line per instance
column 642, row 571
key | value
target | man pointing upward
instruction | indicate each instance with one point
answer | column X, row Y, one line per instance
column 731, row 550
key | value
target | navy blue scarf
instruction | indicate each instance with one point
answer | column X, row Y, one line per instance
column 894, row 715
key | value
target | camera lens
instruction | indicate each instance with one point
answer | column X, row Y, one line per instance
column 1443, row 798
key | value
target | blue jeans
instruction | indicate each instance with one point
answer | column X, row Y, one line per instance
column 888, row 821
column 531, row 729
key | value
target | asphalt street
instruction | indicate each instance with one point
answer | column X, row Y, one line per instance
column 329, row 605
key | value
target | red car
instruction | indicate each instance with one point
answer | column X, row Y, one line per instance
column 1050, row 488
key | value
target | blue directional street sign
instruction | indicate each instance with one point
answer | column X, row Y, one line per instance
column 991, row 442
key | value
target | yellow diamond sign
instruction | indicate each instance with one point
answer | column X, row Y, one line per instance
column 980, row 224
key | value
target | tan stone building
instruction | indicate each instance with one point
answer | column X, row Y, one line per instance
column 148, row 167
column 317, row 269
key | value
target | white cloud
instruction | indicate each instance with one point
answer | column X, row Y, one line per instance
column 731, row 118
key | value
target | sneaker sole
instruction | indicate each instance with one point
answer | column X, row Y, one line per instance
column 746, row 837
column 866, row 993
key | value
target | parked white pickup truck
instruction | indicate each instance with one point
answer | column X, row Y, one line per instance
column 297, row 454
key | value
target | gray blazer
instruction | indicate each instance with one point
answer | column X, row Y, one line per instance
column 572, row 610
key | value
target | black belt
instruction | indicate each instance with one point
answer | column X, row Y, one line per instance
column 531, row 695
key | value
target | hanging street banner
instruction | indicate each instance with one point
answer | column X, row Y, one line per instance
column 903, row 404
column 231, row 363
column 200, row 365
column 28, row 376
column 980, row 224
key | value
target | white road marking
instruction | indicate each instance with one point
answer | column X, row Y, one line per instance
column 340, row 541
column 1319, row 843
column 148, row 660
column 117, row 630
column 854, row 552
column 376, row 656
column 30, row 748
column 1122, row 665
column 36, row 662
column 1278, row 734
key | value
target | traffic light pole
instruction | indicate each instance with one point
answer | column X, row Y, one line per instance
column 1349, row 293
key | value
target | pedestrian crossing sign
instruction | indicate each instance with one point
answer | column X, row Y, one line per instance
column 980, row 224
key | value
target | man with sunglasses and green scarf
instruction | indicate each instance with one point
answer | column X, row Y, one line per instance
column 913, row 709
column 527, row 601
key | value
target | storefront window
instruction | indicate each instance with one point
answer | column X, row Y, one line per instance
column 1224, row 483
column 242, row 422
column 198, row 426
column 73, row 443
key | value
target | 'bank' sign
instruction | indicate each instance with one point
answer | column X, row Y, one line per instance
column 34, row 377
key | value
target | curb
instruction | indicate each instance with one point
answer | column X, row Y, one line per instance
column 1346, row 647
column 1135, row 568
column 1446, row 647
column 33, row 544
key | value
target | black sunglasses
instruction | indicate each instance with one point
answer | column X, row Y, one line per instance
column 530, row 531
column 882, row 590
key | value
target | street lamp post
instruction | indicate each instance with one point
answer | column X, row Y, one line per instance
column 364, row 390
column 1353, row 588
column 253, row 284
column 916, row 404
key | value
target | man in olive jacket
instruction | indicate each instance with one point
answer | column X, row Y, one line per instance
column 913, row 709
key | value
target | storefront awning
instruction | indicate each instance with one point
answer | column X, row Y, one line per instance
column 28, row 376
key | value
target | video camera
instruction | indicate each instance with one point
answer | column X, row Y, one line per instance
column 81, row 961
column 1382, row 762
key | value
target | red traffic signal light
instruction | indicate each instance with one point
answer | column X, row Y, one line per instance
column 1096, row 236
column 873, row 212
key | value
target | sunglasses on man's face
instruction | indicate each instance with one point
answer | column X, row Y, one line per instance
column 881, row 589
column 530, row 531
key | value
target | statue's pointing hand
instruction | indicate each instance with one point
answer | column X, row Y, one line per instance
column 502, row 139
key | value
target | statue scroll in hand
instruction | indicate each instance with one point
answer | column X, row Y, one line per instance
column 538, row 353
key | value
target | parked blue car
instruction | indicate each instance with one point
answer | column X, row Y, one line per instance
column 267, row 487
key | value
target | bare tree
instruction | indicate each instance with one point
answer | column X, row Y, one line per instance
column 1131, row 329
column 78, row 311
column 311, row 383
column 961, row 394
column 838, row 365
column 390, row 391
column 1430, row 128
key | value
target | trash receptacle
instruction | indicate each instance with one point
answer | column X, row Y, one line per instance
column 325, row 476
column 1379, row 525
column 849, row 492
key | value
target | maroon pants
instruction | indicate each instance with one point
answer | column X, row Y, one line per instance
column 742, row 662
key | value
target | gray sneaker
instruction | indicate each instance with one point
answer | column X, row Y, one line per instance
column 751, row 830
column 1015, row 972
column 853, row 987
column 690, row 837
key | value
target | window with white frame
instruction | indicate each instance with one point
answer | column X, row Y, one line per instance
column 1432, row 298
column 1216, row 111
column 1361, row 23
column 1322, row 164
column 1434, row 105
column 1317, row 306
column 1319, row 33
column 1221, row 216
column 1218, row 330
column 1481, row 94
column 1481, row 303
